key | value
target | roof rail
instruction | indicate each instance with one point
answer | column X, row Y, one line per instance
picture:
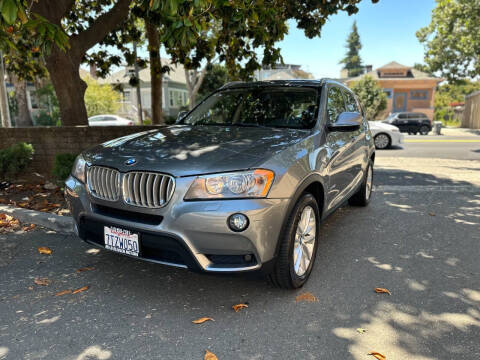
column 231, row 83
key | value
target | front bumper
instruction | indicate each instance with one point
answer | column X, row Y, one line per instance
column 397, row 138
column 192, row 234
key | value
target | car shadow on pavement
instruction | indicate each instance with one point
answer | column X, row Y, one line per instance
column 423, row 246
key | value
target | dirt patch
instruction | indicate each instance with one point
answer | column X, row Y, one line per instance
column 34, row 197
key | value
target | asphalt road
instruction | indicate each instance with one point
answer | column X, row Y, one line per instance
column 420, row 240
column 443, row 147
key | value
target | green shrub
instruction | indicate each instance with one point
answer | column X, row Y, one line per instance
column 62, row 166
column 169, row 120
column 45, row 119
column 147, row 121
column 14, row 159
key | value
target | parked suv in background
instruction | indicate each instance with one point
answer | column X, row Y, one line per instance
column 240, row 183
column 410, row 122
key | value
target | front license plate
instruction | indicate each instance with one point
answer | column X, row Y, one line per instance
column 121, row 240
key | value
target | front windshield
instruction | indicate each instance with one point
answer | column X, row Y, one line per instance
column 266, row 106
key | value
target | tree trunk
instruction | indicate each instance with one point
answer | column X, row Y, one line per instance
column 194, row 82
column 63, row 66
column 69, row 87
column 156, row 74
column 4, row 109
column 24, row 117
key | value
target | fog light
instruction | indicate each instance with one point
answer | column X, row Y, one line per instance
column 238, row 222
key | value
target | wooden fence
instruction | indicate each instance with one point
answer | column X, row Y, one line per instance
column 471, row 116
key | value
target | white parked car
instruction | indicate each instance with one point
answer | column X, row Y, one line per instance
column 109, row 120
column 385, row 135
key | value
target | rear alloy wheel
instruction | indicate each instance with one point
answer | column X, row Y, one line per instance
column 363, row 195
column 298, row 245
column 382, row 141
column 424, row 130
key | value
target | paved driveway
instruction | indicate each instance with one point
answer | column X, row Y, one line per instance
column 420, row 240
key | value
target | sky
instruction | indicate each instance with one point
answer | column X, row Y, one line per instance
column 387, row 32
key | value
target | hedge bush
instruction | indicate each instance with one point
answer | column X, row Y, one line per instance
column 62, row 166
column 14, row 159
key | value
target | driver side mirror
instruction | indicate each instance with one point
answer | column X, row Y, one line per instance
column 347, row 121
column 181, row 115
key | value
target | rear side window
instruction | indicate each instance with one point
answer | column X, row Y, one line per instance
column 335, row 104
column 351, row 103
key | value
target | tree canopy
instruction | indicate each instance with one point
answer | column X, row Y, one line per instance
column 451, row 40
column 64, row 31
column 371, row 96
column 352, row 61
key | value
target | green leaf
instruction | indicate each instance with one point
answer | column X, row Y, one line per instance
column 9, row 11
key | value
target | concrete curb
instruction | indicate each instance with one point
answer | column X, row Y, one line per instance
column 61, row 224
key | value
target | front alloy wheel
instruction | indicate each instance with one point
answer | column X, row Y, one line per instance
column 382, row 141
column 305, row 238
column 298, row 245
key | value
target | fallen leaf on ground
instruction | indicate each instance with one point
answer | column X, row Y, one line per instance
column 239, row 307
column 83, row 288
column 210, row 356
column 41, row 281
column 431, row 213
column 29, row 227
column 361, row 331
column 86, row 268
column 382, row 291
column 64, row 292
column 202, row 320
column 309, row 297
column 377, row 355
column 44, row 250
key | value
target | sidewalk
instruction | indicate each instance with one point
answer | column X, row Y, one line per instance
column 452, row 131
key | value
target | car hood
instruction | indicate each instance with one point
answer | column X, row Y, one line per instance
column 381, row 126
column 183, row 150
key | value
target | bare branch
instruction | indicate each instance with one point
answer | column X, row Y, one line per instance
column 102, row 26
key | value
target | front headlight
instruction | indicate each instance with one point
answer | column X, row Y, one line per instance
column 242, row 184
column 79, row 168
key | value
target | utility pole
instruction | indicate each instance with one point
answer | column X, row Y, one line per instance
column 139, row 94
column 4, row 110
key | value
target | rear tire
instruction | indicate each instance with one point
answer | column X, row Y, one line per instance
column 364, row 194
column 291, row 269
column 424, row 130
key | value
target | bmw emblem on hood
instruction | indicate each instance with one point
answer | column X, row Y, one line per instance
column 130, row 161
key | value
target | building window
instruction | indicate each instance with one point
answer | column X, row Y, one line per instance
column 177, row 98
column 389, row 93
column 126, row 96
column 419, row 94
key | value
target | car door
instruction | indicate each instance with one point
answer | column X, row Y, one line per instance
column 358, row 146
column 402, row 122
column 338, row 145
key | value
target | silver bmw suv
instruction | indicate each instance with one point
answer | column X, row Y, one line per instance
column 239, row 183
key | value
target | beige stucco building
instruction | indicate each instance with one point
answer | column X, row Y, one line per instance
column 407, row 89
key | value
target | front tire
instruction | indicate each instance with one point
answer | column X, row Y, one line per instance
column 298, row 245
column 382, row 141
column 363, row 195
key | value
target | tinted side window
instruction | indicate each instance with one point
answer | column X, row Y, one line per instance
column 351, row 103
column 109, row 118
column 335, row 104
column 403, row 116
